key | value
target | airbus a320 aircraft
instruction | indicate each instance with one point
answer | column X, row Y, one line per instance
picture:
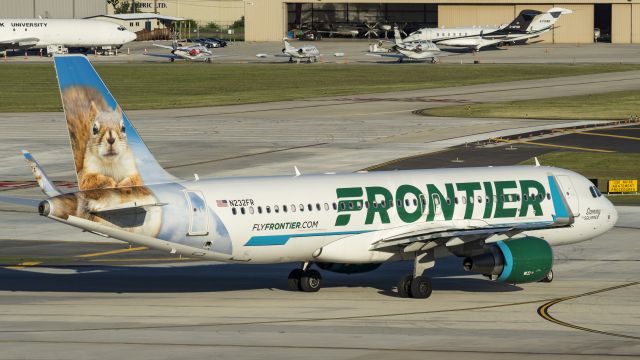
column 43, row 33
column 501, row 220
column 527, row 25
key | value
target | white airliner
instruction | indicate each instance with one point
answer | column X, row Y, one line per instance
column 527, row 25
column 501, row 220
column 62, row 33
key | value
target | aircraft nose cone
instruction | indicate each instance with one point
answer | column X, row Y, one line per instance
column 131, row 36
column 614, row 215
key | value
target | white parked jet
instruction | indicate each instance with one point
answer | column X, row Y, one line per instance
column 61, row 33
column 529, row 24
column 419, row 50
column 309, row 53
column 501, row 220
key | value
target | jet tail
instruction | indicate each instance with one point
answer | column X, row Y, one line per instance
column 288, row 46
column 547, row 20
column 107, row 150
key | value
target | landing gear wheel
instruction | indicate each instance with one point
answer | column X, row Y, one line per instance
column 421, row 287
column 404, row 286
column 311, row 281
column 294, row 279
column 548, row 278
column 172, row 59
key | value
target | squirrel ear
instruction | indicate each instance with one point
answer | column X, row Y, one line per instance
column 119, row 110
column 93, row 110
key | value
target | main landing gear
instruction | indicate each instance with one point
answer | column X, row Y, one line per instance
column 548, row 278
column 305, row 279
column 417, row 285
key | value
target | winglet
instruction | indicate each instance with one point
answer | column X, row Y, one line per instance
column 298, row 173
column 43, row 180
column 537, row 162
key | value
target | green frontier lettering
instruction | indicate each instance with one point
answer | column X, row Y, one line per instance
column 403, row 213
column 355, row 195
column 501, row 212
column 445, row 203
column 378, row 207
column 530, row 199
column 468, row 189
column 380, row 200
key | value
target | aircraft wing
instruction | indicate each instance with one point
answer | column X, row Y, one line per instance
column 20, row 42
column 167, row 56
column 390, row 55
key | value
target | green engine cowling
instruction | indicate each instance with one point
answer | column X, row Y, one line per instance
column 348, row 268
column 517, row 261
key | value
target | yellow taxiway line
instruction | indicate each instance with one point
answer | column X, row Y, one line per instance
column 111, row 252
column 24, row 264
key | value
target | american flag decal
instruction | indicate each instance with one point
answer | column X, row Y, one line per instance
column 222, row 203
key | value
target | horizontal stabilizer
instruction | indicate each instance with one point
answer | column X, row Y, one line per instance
column 20, row 201
column 46, row 185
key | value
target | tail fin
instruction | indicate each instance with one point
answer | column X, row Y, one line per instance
column 396, row 35
column 547, row 20
column 288, row 46
column 107, row 150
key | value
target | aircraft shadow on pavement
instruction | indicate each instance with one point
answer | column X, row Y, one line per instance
column 223, row 277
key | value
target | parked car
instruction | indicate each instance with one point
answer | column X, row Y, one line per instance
column 221, row 42
column 205, row 42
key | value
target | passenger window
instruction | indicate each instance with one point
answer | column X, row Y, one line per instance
column 326, row 207
column 276, row 208
column 525, row 197
column 448, row 201
column 268, row 209
column 251, row 210
column 375, row 204
column 479, row 199
column 301, row 207
column 335, row 206
column 415, row 202
column 259, row 209
column 233, row 211
column 293, row 208
column 464, row 200
column 350, row 205
column 310, row 207
column 383, row 203
column 406, row 202
column 318, row 207
column 284, row 208
column 366, row 204
column 242, row 210
column 398, row 203
column 423, row 200
column 342, row 206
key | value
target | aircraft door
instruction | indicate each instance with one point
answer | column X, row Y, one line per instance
column 569, row 192
column 437, row 204
column 198, row 214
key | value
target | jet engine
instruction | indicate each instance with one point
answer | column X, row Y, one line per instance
column 522, row 260
column 348, row 268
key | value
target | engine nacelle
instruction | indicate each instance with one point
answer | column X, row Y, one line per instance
column 514, row 261
column 348, row 268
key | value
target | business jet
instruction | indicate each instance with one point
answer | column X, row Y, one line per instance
column 528, row 25
column 419, row 50
column 59, row 34
column 195, row 52
column 503, row 221
column 309, row 53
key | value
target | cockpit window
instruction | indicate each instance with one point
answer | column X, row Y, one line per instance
column 593, row 192
column 122, row 28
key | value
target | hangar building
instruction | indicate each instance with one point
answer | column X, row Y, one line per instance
column 269, row 20
column 55, row 9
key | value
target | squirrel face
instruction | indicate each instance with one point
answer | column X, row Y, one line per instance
column 108, row 134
